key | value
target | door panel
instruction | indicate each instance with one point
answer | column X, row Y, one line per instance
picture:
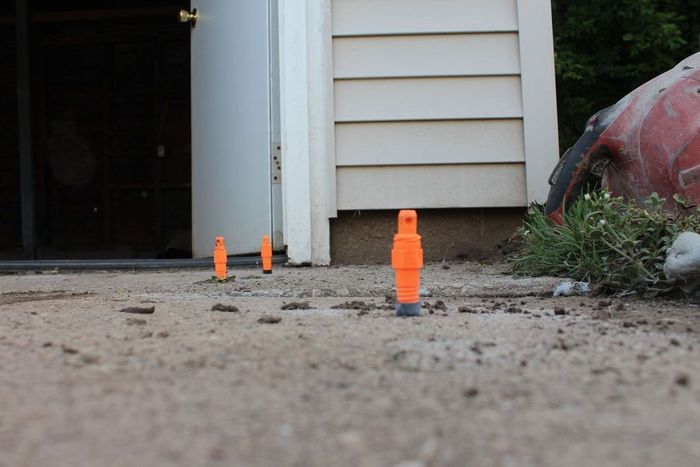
column 230, row 125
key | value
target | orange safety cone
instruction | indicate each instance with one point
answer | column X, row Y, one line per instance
column 407, row 261
column 266, row 255
column 220, row 259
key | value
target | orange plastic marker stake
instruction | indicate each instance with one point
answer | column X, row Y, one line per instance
column 220, row 259
column 266, row 255
column 407, row 261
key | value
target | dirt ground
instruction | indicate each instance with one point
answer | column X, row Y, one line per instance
column 516, row 378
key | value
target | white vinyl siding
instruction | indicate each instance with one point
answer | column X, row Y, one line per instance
column 367, row 100
column 434, row 186
column 426, row 55
column 429, row 103
column 398, row 17
column 447, row 142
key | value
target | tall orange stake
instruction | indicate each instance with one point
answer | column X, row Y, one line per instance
column 407, row 261
column 266, row 255
column 220, row 259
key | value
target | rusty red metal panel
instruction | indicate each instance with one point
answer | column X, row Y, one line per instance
column 649, row 141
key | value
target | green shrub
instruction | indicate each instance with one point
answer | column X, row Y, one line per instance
column 605, row 240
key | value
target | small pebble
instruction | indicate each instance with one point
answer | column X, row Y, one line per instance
column 269, row 319
column 139, row 310
column 683, row 380
column 296, row 306
column 69, row 350
column 89, row 359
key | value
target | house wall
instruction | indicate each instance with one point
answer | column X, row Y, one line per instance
column 442, row 104
column 446, row 105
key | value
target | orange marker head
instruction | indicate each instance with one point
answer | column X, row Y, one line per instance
column 407, row 261
column 266, row 255
column 220, row 259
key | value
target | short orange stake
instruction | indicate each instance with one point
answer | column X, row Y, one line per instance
column 266, row 255
column 220, row 259
column 407, row 261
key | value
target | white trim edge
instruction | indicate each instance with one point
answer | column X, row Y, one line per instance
column 539, row 95
column 308, row 145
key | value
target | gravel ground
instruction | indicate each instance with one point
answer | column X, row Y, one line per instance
column 495, row 373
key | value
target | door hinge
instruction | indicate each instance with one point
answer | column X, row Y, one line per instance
column 276, row 163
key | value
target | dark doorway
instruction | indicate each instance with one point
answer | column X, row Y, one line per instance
column 110, row 126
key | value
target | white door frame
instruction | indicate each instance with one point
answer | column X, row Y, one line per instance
column 308, row 128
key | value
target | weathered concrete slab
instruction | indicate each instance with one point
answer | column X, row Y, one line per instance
column 526, row 380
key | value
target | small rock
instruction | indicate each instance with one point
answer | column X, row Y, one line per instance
column 445, row 266
column 560, row 311
column 570, row 288
column 269, row 319
column 471, row 392
column 604, row 303
column 135, row 321
column 682, row 265
column 139, row 310
column 675, row 342
column 438, row 305
column 68, row 350
column 89, row 359
column 683, row 380
column 224, row 308
column 561, row 345
column 163, row 334
column 355, row 305
column 629, row 324
column 467, row 309
column 296, row 306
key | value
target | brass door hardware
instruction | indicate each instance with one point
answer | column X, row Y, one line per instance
column 188, row 17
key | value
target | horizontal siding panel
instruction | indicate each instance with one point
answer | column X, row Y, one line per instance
column 428, row 99
column 442, row 186
column 433, row 55
column 432, row 142
column 373, row 17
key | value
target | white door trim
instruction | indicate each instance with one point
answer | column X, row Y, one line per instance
column 307, row 120
column 539, row 95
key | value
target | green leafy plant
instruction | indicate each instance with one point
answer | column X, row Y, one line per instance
column 605, row 240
